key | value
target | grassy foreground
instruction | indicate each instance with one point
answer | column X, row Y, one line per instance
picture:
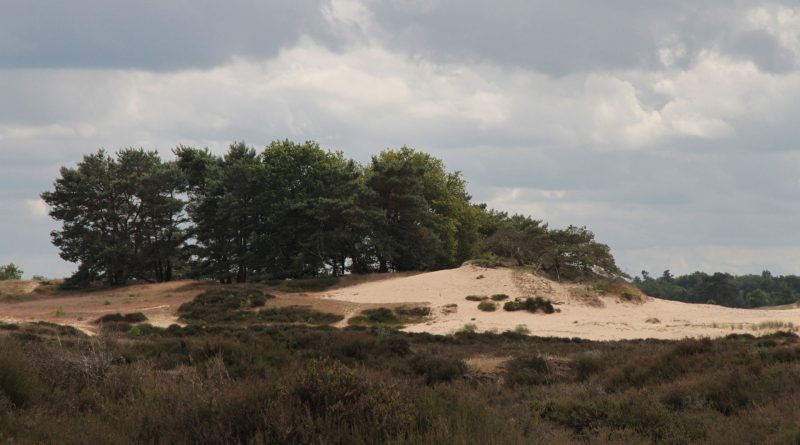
column 305, row 384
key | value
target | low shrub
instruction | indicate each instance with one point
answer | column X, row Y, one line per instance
column 586, row 366
column 377, row 316
column 297, row 314
column 469, row 328
column 535, row 304
column 333, row 394
column 413, row 312
column 476, row 297
column 136, row 317
column 499, row 297
column 487, row 306
column 316, row 284
column 521, row 329
column 19, row 381
column 528, row 370
column 436, row 367
column 223, row 305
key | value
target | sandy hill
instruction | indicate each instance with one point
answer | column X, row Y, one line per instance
column 584, row 311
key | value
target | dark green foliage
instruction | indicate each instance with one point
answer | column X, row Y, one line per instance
column 136, row 317
column 487, row 306
column 10, row 271
column 536, row 304
column 436, row 368
column 121, row 217
column 570, row 253
column 293, row 210
column 723, row 289
column 377, row 316
column 395, row 318
column 305, row 284
column 426, row 220
column 297, row 314
column 475, row 297
column 499, row 297
column 413, row 312
column 223, row 305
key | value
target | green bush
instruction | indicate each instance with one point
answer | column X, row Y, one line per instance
column 476, row 297
column 223, row 305
column 132, row 318
column 297, row 314
column 487, row 306
column 316, row 284
column 499, row 297
column 413, row 312
column 436, row 368
column 377, row 316
column 535, row 304
column 521, row 329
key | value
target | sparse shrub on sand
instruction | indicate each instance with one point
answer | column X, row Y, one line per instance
column 469, row 328
column 413, row 311
column 499, row 297
column 377, row 316
column 487, row 306
column 521, row 329
column 476, row 297
column 536, row 304
column 136, row 317
column 653, row 320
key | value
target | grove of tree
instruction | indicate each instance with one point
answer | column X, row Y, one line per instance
column 291, row 210
column 753, row 290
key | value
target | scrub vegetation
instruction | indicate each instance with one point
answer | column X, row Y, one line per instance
column 300, row 384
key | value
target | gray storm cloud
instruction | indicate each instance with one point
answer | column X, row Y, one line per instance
column 668, row 129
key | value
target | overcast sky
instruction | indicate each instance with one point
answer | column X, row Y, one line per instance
column 670, row 129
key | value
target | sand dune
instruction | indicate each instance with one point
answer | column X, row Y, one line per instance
column 584, row 313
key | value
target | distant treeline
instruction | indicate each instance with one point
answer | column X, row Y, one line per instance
column 722, row 288
column 292, row 210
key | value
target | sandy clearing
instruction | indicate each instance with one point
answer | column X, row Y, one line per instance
column 615, row 320
column 159, row 302
column 583, row 314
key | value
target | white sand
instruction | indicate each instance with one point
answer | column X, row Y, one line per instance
column 615, row 320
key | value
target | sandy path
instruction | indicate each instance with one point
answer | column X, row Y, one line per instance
column 614, row 321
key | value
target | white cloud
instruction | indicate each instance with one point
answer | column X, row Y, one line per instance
column 36, row 208
column 633, row 150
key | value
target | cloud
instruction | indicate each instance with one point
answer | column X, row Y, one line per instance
column 36, row 208
column 661, row 127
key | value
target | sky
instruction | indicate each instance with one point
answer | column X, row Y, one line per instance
column 671, row 129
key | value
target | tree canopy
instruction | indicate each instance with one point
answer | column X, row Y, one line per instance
column 10, row 271
column 290, row 210
column 753, row 290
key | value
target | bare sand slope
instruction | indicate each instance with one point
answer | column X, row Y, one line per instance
column 584, row 312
